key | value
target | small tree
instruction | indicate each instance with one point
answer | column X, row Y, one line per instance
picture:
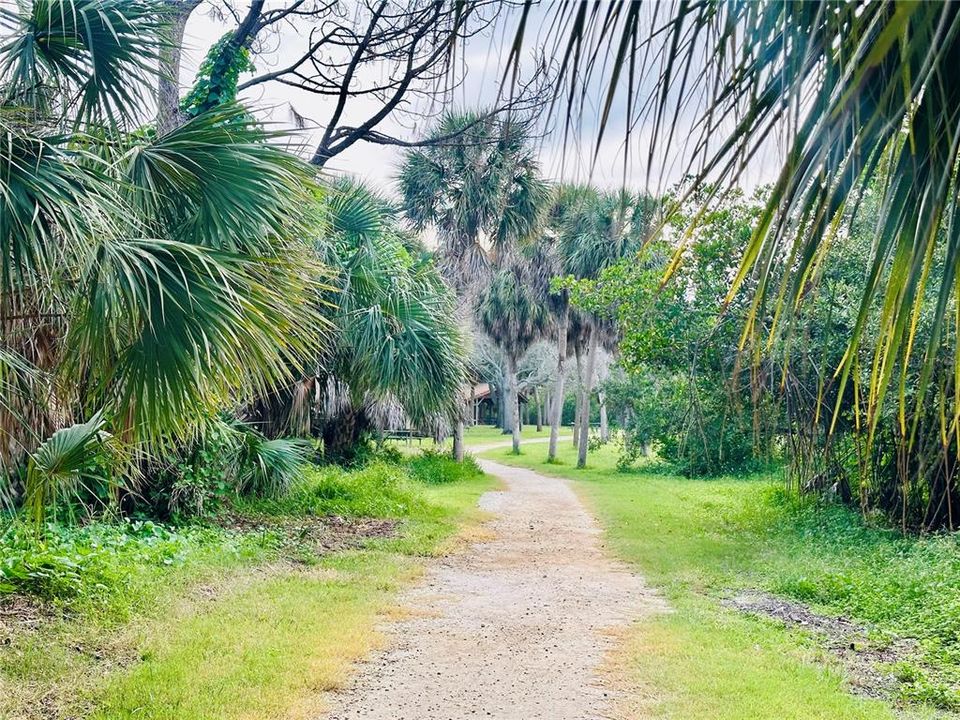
column 510, row 312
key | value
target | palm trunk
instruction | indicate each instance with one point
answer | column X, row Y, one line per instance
column 556, row 410
column 539, row 402
column 168, row 85
column 514, row 404
column 604, row 425
column 578, row 408
column 341, row 437
column 458, row 450
column 505, row 405
column 586, row 388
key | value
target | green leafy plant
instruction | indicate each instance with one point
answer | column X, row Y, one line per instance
column 436, row 468
column 70, row 464
column 217, row 77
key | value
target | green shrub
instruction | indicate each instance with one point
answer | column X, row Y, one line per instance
column 100, row 563
column 377, row 490
column 436, row 468
column 390, row 454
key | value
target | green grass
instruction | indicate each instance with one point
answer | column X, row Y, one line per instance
column 484, row 434
column 701, row 540
column 271, row 647
column 259, row 637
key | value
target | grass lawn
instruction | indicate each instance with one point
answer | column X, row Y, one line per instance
column 484, row 434
column 264, row 637
column 700, row 541
column 478, row 435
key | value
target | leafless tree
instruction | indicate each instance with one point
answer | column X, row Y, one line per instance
column 402, row 53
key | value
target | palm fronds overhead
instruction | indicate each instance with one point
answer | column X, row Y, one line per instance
column 86, row 60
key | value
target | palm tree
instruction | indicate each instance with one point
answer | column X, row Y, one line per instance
column 481, row 191
column 597, row 230
column 397, row 353
column 147, row 280
column 514, row 317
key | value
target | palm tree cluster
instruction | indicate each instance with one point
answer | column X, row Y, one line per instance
column 157, row 286
column 506, row 236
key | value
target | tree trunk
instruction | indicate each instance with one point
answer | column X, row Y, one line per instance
column 509, row 399
column 556, row 409
column 604, row 426
column 539, row 402
column 514, row 405
column 578, row 406
column 504, row 420
column 168, row 87
column 586, row 388
column 341, row 438
column 458, row 440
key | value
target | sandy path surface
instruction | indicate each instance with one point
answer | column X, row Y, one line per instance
column 514, row 628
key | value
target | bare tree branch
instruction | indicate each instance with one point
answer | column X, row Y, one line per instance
column 408, row 46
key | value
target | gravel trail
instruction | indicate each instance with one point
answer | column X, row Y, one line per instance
column 515, row 628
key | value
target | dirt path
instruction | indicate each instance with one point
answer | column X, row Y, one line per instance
column 514, row 628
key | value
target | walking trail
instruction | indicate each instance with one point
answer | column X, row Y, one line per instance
column 514, row 628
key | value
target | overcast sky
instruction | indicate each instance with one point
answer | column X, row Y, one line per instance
column 482, row 67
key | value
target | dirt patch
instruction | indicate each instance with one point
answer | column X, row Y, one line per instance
column 316, row 535
column 21, row 612
column 868, row 661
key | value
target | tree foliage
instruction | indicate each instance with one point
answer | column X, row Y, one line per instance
column 481, row 190
column 147, row 281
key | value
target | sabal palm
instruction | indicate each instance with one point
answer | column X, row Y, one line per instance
column 397, row 344
column 514, row 316
column 482, row 193
column 155, row 279
column 484, row 188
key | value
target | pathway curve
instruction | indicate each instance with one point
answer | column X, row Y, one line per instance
column 514, row 628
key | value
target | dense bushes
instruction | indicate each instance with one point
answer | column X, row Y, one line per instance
column 683, row 387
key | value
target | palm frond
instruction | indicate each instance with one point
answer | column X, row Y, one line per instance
column 217, row 180
column 91, row 59
column 63, row 463
column 168, row 332
column 269, row 467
